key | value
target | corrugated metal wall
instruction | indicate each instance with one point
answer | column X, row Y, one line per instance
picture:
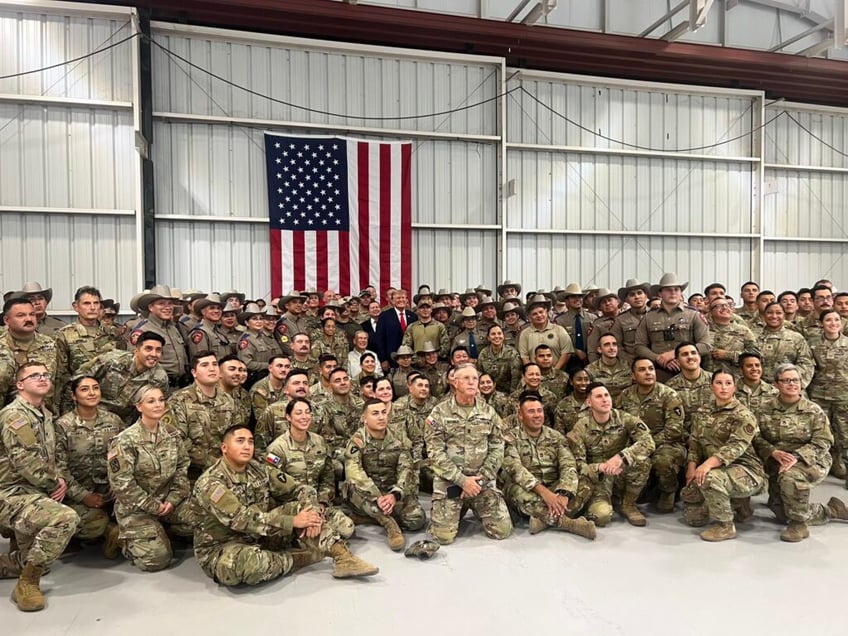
column 67, row 187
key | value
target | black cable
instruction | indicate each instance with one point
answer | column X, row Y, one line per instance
column 814, row 136
column 325, row 112
column 66, row 62
column 648, row 148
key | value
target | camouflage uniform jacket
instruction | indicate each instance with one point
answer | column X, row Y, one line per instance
column 725, row 432
column 309, row 464
column 81, row 448
column 830, row 379
column 41, row 349
column 27, row 451
column 243, row 410
column 594, row 443
column 255, row 350
column 146, row 470
column 436, row 375
column 232, row 506
column 339, row 346
column 752, row 398
column 566, row 413
column 419, row 333
column 693, row 393
column 337, row 421
column 785, row 345
column 409, row 417
column 661, row 409
column 201, row 421
column 377, row 467
column 616, row 377
column 549, row 399
column 504, row 366
column 119, row 380
column 556, row 382
column 461, row 445
column 262, row 394
column 546, row 459
column 498, row 401
column 76, row 345
column 801, row 428
column 734, row 338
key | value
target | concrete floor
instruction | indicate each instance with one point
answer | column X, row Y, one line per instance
column 657, row 580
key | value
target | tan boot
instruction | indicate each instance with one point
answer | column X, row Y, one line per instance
column 27, row 594
column 10, row 567
column 719, row 532
column 394, row 537
column 836, row 508
column 537, row 525
column 631, row 512
column 837, row 469
column 303, row 557
column 347, row 565
column 796, row 531
column 665, row 503
column 111, row 547
column 580, row 526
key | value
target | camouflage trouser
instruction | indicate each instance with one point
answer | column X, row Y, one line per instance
column 489, row 506
column 789, row 492
column 146, row 544
column 93, row 521
column 595, row 490
column 337, row 525
column 530, row 504
column 667, row 462
column 713, row 499
column 42, row 526
column 235, row 562
column 407, row 512
column 837, row 413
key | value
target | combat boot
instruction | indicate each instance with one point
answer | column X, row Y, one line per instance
column 719, row 532
column 347, row 565
column 665, row 503
column 580, row 526
column 796, row 531
column 111, row 547
column 537, row 525
column 394, row 537
column 27, row 595
column 631, row 512
column 303, row 557
column 838, row 469
column 837, row 510
column 10, row 568
column 742, row 510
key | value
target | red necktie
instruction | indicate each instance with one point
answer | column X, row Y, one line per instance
column 403, row 321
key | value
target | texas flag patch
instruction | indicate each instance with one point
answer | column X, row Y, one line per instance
column 273, row 459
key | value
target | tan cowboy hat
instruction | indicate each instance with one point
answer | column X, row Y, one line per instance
column 32, row 288
column 483, row 291
column 631, row 285
column 603, row 292
column 289, row 297
column 312, row 291
column 486, row 300
column 572, row 289
column 538, row 299
column 443, row 293
column 134, row 303
column 553, row 295
column 251, row 309
column 423, row 290
column 508, row 283
column 207, row 301
column 437, row 306
column 157, row 292
column 232, row 293
column 588, row 289
column 668, row 280
column 468, row 293
column 190, row 295
column 110, row 306
column 511, row 305
column 427, row 347
column 403, row 351
column 468, row 312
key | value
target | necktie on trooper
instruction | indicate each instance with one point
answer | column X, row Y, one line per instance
column 472, row 346
column 578, row 333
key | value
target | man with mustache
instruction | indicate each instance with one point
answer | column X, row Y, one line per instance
column 21, row 343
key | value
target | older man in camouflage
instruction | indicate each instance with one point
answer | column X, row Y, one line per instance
column 464, row 440
column 381, row 475
column 31, row 488
column 22, row 343
column 540, row 474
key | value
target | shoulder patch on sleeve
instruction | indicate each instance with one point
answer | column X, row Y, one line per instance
column 18, row 423
column 243, row 343
column 430, row 421
column 357, row 442
column 217, row 493
column 113, row 452
column 678, row 411
column 134, row 336
column 282, row 329
column 196, row 336
column 272, row 459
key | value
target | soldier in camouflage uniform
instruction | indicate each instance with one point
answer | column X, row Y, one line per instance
column 239, row 538
column 794, row 444
column 122, row 373
column 554, row 380
column 148, row 473
column 328, row 340
column 409, row 414
column 233, row 375
column 272, row 423
column 752, row 390
column 429, row 366
column 531, row 380
column 201, row 413
column 692, row 384
column 540, row 474
column 108, row 316
column 501, row 361
column 609, row 369
column 207, row 335
column 272, row 387
column 158, row 306
column 730, row 337
column 425, row 330
column 302, row 357
column 381, row 475
column 463, row 438
column 570, row 407
column 399, row 375
column 829, row 387
column 497, row 400
column 514, row 321
column 22, row 343
column 612, row 450
column 778, row 344
column 79, row 343
column 31, row 488
column 83, row 437
column 255, row 347
column 722, row 463
column 661, row 408
column 338, row 418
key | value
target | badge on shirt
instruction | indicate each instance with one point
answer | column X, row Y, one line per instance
column 135, row 336
column 196, row 336
column 243, row 343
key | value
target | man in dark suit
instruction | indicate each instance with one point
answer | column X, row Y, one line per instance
column 390, row 327
column 370, row 326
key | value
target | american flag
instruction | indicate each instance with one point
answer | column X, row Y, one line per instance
column 340, row 213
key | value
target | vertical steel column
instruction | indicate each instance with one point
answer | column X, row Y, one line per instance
column 144, row 140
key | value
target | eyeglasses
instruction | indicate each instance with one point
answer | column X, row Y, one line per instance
column 36, row 376
column 720, row 307
column 790, row 381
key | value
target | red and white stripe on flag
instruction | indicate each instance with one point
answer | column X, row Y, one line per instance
column 377, row 249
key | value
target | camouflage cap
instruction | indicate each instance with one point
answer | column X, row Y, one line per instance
column 422, row 549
